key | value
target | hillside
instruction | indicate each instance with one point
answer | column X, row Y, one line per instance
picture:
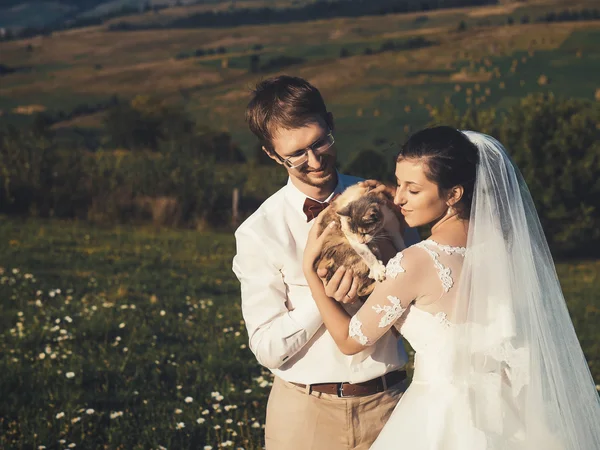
column 380, row 75
column 38, row 13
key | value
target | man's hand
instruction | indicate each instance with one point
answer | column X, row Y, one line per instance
column 343, row 285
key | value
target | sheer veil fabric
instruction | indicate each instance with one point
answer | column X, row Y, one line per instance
column 525, row 380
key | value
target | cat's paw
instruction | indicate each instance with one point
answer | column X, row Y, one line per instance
column 377, row 272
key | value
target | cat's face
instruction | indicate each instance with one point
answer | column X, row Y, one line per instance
column 363, row 218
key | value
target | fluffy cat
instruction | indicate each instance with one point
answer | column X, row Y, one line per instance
column 364, row 220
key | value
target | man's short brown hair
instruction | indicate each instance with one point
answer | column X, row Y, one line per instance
column 283, row 102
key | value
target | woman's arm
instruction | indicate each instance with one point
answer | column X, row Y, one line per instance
column 335, row 317
column 384, row 306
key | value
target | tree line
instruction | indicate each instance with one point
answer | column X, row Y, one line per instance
column 235, row 16
column 156, row 165
column 318, row 10
column 160, row 166
column 257, row 16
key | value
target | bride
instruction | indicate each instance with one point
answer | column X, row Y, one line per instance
column 497, row 364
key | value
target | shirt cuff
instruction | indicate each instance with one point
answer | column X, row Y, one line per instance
column 307, row 318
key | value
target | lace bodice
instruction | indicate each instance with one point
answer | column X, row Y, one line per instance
column 424, row 273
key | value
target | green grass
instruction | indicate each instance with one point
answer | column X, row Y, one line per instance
column 143, row 319
column 149, row 318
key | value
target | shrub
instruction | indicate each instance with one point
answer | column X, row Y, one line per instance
column 370, row 164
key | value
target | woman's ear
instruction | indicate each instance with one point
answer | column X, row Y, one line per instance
column 455, row 195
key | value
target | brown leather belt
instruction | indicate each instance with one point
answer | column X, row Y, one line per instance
column 370, row 387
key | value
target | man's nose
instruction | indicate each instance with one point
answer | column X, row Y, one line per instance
column 314, row 161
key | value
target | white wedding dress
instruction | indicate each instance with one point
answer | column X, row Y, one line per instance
column 435, row 412
column 498, row 365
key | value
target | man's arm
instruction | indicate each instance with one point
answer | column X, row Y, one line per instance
column 276, row 333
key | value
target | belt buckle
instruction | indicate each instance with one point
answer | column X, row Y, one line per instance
column 340, row 392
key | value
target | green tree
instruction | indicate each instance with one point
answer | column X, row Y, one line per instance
column 556, row 146
column 144, row 122
column 26, row 160
column 255, row 63
column 370, row 164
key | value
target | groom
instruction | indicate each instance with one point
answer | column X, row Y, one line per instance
column 321, row 399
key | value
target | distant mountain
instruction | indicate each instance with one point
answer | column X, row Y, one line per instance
column 15, row 14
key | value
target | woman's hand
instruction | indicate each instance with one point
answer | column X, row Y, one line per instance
column 377, row 186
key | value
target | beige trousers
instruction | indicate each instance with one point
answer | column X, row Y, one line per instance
column 297, row 420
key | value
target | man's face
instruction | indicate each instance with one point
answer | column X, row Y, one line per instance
column 319, row 170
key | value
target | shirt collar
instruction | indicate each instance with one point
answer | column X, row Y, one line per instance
column 296, row 198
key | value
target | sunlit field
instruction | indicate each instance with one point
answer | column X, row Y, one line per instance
column 124, row 338
column 377, row 94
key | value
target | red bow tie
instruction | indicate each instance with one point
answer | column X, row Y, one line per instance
column 313, row 208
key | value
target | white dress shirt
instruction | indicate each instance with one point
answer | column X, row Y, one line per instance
column 286, row 331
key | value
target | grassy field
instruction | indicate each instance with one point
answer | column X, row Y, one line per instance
column 123, row 338
column 375, row 98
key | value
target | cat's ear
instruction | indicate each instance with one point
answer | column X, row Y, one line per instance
column 345, row 211
column 372, row 214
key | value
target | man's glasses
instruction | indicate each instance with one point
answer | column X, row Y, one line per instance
column 301, row 157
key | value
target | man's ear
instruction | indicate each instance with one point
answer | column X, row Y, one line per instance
column 271, row 155
column 345, row 211
column 455, row 195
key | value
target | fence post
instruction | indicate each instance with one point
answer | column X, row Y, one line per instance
column 235, row 203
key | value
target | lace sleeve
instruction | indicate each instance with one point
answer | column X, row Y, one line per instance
column 387, row 303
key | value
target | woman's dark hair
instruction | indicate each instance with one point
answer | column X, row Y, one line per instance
column 450, row 159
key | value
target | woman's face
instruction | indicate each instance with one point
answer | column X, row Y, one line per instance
column 418, row 198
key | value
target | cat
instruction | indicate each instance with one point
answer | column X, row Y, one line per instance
column 364, row 219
